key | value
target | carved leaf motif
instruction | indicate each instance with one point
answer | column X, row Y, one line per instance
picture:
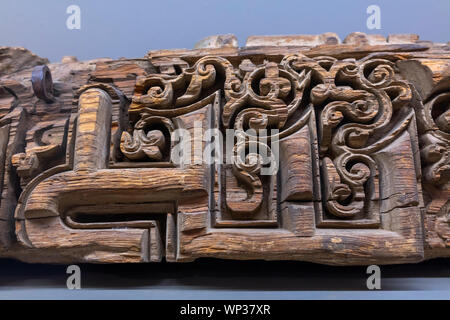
column 140, row 145
column 146, row 141
column 163, row 92
column 434, row 126
column 435, row 152
column 337, row 193
column 355, row 101
column 247, row 168
column 275, row 84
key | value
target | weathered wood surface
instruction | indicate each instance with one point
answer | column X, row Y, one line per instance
column 88, row 174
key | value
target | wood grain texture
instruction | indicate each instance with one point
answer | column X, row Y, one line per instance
column 358, row 131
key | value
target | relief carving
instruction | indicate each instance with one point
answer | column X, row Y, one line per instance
column 434, row 126
column 305, row 153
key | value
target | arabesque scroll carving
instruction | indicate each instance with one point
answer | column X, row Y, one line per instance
column 325, row 154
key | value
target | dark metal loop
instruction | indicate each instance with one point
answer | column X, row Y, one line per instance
column 42, row 82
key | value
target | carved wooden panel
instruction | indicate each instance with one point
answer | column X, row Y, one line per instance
column 325, row 152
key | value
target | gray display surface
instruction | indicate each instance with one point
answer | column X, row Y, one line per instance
column 217, row 279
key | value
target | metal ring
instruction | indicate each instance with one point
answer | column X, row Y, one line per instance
column 42, row 82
